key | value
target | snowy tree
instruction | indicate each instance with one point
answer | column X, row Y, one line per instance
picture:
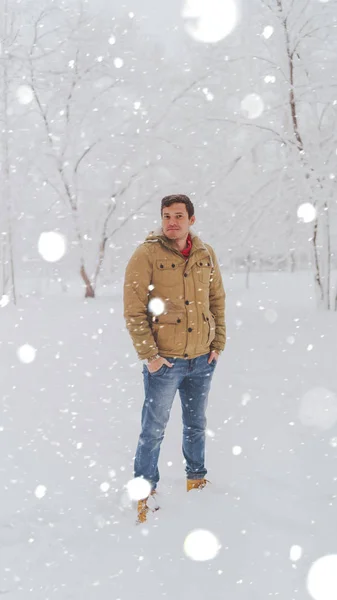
column 8, row 35
column 91, row 126
column 243, row 125
column 278, row 114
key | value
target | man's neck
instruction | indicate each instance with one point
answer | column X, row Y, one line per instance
column 181, row 244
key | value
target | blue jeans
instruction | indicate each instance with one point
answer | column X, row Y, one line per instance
column 193, row 380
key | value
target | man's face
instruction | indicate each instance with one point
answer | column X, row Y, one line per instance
column 175, row 221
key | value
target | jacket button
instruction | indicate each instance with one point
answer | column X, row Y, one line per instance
column 207, row 319
column 173, row 266
column 185, row 355
column 178, row 320
column 161, row 266
column 187, row 301
column 190, row 329
column 200, row 264
column 185, row 274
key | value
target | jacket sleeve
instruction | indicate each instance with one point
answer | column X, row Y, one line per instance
column 137, row 279
column 217, row 298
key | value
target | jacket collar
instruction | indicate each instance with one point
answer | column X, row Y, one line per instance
column 197, row 251
column 158, row 236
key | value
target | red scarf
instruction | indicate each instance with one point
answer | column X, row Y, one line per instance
column 187, row 250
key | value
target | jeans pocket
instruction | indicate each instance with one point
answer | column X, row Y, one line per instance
column 160, row 371
column 213, row 363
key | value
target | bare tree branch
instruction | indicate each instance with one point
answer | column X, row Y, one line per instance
column 105, row 236
column 178, row 96
column 84, row 154
column 254, row 125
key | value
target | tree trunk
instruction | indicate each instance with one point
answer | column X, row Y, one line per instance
column 322, row 293
column 317, row 274
column 100, row 259
column 89, row 290
column 326, row 257
column 292, row 261
column 248, row 268
column 6, row 164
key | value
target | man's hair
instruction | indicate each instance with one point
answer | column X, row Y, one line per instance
column 181, row 199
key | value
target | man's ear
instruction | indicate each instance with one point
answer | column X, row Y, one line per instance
column 192, row 220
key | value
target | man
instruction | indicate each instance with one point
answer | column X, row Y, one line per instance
column 174, row 306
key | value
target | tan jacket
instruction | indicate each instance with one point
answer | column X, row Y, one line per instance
column 193, row 321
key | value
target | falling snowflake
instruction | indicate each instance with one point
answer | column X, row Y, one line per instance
column 252, row 106
column 210, row 21
column 40, row 491
column 138, row 488
column 295, row 553
column 4, row 301
column 26, row 353
column 52, row 246
column 208, row 94
column 322, row 578
column 24, row 94
column 245, row 399
column 156, row 306
column 118, row 62
column 268, row 32
column 201, row 545
column 306, row 212
column 104, row 487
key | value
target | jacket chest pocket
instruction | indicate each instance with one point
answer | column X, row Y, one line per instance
column 204, row 270
column 168, row 330
column 167, row 272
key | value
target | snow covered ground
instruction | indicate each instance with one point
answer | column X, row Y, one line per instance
column 68, row 431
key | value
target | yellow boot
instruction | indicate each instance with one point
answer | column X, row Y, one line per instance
column 143, row 508
column 196, row 484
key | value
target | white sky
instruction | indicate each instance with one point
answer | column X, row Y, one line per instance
column 159, row 18
column 159, row 15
